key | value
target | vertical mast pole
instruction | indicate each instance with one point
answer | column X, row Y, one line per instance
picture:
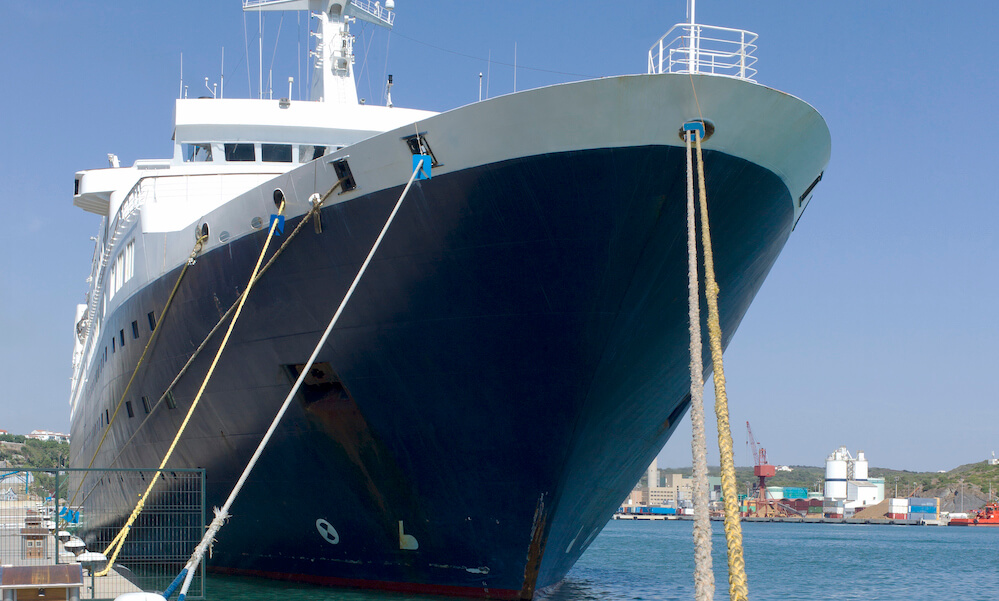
column 260, row 54
column 691, row 8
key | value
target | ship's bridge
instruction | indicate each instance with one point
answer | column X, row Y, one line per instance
column 238, row 130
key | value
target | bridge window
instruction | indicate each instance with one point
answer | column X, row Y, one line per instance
column 197, row 153
column 308, row 153
column 275, row 153
column 240, row 152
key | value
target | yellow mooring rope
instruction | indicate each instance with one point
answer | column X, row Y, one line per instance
column 119, row 539
column 738, row 587
column 317, row 205
column 166, row 309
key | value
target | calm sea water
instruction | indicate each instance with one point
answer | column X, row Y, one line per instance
column 637, row 561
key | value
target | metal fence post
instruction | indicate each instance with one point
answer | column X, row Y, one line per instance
column 55, row 499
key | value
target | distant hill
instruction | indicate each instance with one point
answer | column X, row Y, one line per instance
column 18, row 451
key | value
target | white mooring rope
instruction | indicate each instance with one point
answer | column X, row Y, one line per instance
column 221, row 515
column 704, row 579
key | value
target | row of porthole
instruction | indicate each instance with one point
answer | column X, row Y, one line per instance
column 119, row 342
column 256, row 223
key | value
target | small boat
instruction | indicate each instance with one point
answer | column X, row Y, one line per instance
column 986, row 516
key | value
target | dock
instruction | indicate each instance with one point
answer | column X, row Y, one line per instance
column 792, row 520
column 25, row 541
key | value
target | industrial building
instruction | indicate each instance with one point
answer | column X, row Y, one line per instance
column 847, row 486
column 669, row 490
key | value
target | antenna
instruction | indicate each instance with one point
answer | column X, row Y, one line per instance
column 222, row 76
column 388, row 92
column 181, row 93
column 480, row 86
column 515, row 66
column 291, row 80
column 260, row 55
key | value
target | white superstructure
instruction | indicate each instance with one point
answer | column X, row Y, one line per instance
column 223, row 148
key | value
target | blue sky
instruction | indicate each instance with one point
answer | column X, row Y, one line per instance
column 876, row 329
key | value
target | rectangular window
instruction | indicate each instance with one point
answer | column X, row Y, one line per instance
column 308, row 153
column 240, row 152
column 121, row 268
column 145, row 405
column 128, row 408
column 135, row 330
column 121, row 338
column 171, row 403
column 113, row 341
column 107, row 418
column 129, row 260
column 275, row 153
column 152, row 321
column 197, row 153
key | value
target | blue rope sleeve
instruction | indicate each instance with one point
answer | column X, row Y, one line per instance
column 173, row 585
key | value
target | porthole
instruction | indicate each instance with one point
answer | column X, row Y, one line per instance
column 224, row 237
column 257, row 223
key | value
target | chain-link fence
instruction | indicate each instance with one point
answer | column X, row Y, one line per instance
column 56, row 515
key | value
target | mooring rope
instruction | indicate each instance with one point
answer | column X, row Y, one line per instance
column 119, row 540
column 149, row 343
column 221, row 515
column 704, row 578
column 738, row 587
column 317, row 205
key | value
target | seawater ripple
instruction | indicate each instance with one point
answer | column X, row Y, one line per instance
column 653, row 561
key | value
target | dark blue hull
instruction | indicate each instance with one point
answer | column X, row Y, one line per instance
column 508, row 367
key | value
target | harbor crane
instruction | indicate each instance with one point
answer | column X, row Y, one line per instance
column 761, row 506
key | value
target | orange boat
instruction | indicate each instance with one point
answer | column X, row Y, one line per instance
column 986, row 516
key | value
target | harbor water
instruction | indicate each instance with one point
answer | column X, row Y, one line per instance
column 653, row 560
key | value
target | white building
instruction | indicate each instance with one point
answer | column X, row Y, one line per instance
column 847, row 482
column 48, row 435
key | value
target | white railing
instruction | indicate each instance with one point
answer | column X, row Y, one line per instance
column 374, row 10
column 706, row 49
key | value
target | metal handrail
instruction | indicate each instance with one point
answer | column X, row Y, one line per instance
column 723, row 51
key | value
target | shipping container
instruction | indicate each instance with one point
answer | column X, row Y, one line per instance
column 898, row 516
column 922, row 509
column 794, row 492
column 916, row 502
column 814, row 509
column 663, row 510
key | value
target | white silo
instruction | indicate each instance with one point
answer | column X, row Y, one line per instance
column 860, row 467
column 836, row 474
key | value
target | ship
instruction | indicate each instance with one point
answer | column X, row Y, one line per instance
column 515, row 354
column 986, row 516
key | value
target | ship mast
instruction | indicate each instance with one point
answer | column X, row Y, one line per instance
column 333, row 67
